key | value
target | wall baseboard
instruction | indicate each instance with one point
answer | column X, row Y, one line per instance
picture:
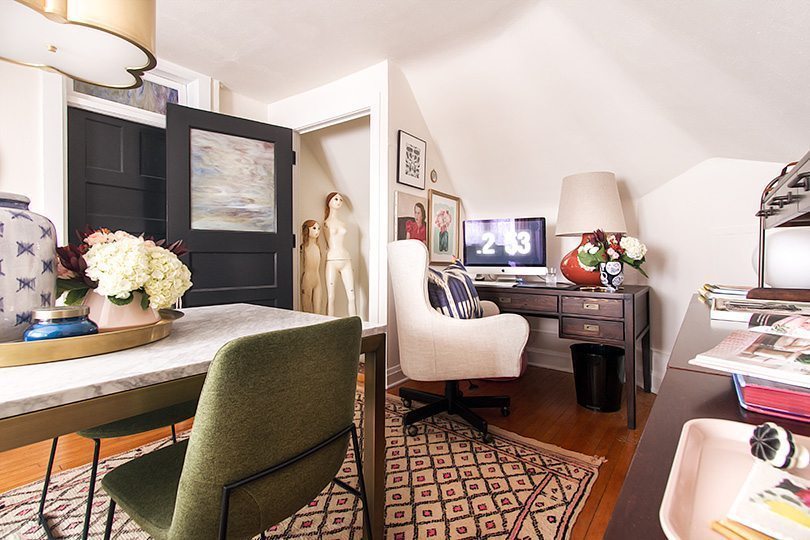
column 561, row 361
column 394, row 376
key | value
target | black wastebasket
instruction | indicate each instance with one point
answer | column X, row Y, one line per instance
column 598, row 375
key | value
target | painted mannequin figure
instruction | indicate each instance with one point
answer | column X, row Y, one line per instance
column 338, row 261
column 311, row 286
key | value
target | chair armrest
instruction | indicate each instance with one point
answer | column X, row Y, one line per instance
column 490, row 308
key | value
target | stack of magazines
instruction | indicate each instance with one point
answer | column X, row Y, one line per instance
column 770, row 363
column 729, row 303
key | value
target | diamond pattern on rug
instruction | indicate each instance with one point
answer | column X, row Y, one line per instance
column 442, row 483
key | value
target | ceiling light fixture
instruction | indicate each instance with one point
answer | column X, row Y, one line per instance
column 104, row 42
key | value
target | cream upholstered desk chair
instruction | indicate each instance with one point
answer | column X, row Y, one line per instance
column 435, row 347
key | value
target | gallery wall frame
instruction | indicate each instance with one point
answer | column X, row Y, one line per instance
column 411, row 160
column 444, row 218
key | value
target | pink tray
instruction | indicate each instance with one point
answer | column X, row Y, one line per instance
column 710, row 466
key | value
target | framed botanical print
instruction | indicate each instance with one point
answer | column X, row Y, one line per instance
column 443, row 222
column 411, row 160
column 411, row 217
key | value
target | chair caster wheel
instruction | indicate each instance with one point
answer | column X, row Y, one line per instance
column 406, row 403
column 412, row 430
column 505, row 411
column 487, row 438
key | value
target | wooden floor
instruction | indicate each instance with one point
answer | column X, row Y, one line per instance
column 543, row 408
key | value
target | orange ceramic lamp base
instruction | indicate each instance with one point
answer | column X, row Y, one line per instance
column 573, row 272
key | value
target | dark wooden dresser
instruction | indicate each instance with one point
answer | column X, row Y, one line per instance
column 687, row 392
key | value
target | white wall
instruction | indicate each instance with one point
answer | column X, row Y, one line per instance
column 699, row 228
column 405, row 114
column 21, row 132
column 236, row 104
column 336, row 158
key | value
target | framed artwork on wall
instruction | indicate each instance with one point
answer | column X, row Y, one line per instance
column 411, row 160
column 443, row 224
column 411, row 217
column 233, row 182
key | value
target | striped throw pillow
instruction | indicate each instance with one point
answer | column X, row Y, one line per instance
column 451, row 292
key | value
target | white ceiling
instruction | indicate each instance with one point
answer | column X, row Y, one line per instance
column 270, row 49
column 518, row 93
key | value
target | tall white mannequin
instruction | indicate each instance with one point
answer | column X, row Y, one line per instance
column 338, row 261
column 311, row 286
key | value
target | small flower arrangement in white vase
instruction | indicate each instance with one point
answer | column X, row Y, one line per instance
column 609, row 253
column 123, row 279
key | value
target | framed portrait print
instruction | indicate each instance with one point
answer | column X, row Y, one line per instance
column 443, row 225
column 411, row 163
column 411, row 217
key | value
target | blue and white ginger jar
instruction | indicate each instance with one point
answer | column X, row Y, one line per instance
column 27, row 264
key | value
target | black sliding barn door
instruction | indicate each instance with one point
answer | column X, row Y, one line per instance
column 230, row 198
column 116, row 175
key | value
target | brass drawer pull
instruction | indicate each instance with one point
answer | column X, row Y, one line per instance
column 592, row 307
column 591, row 327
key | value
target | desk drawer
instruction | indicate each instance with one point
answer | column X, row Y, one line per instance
column 573, row 327
column 525, row 302
column 602, row 307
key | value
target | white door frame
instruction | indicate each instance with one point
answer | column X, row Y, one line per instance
column 377, row 227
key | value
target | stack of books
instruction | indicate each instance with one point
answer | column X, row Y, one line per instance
column 772, row 398
column 770, row 363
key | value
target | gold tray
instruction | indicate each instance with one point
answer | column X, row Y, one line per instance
column 23, row 353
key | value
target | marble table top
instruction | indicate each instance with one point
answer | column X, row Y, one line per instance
column 189, row 349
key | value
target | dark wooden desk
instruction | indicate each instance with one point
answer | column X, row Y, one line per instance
column 621, row 319
column 687, row 392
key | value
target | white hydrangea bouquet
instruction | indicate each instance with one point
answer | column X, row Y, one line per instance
column 603, row 248
column 117, row 265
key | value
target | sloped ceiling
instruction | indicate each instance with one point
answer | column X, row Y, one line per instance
column 517, row 94
column 271, row 49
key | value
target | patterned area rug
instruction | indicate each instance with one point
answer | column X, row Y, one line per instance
column 442, row 483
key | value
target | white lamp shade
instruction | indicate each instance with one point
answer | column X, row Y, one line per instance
column 104, row 42
column 590, row 201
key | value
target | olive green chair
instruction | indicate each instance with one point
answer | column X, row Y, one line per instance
column 273, row 424
column 167, row 416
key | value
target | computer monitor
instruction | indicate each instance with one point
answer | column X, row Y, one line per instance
column 508, row 246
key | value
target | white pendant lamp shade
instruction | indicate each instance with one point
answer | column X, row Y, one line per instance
column 103, row 42
column 590, row 201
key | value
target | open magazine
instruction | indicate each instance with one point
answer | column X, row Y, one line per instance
column 775, row 357
column 793, row 326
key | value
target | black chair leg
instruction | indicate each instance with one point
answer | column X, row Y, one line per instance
column 358, row 461
column 41, row 514
column 108, row 526
column 91, row 492
column 174, row 435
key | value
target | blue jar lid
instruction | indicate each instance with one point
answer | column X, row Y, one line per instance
column 46, row 314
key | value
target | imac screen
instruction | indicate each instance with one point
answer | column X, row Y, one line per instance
column 505, row 242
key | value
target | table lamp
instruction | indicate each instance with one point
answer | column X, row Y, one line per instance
column 588, row 201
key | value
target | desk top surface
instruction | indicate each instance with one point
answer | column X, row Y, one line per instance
column 687, row 392
column 627, row 290
column 188, row 351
